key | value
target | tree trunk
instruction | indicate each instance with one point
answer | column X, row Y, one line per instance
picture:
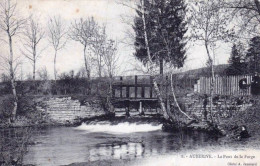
column 86, row 63
column 212, row 81
column 55, row 70
column 109, row 96
column 12, row 78
column 176, row 102
column 157, row 90
column 162, row 104
column 257, row 6
column 212, row 89
column 34, row 66
column 99, row 67
column 161, row 66
column 34, row 62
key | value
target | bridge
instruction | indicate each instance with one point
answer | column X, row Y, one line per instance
column 137, row 92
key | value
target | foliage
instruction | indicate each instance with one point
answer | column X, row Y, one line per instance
column 253, row 55
column 166, row 28
column 249, row 118
column 209, row 25
column 14, row 145
column 237, row 61
column 208, row 22
column 246, row 14
column 6, row 105
column 69, row 83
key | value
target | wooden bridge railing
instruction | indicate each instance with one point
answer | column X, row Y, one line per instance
column 135, row 90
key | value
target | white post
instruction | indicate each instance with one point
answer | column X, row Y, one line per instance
column 141, row 108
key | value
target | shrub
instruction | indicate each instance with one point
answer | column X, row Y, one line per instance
column 6, row 106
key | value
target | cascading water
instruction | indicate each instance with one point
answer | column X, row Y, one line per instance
column 120, row 128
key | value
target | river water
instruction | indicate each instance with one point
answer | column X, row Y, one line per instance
column 91, row 143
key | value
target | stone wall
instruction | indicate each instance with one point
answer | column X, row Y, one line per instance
column 223, row 106
column 67, row 110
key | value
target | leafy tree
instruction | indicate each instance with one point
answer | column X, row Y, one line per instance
column 236, row 60
column 166, row 28
column 253, row 55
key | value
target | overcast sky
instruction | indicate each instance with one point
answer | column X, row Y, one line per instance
column 104, row 11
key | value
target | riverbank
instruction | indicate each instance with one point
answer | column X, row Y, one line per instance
column 249, row 118
column 122, row 140
column 48, row 110
column 93, row 146
column 68, row 111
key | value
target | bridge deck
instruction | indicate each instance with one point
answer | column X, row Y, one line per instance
column 135, row 99
column 126, row 91
column 136, row 95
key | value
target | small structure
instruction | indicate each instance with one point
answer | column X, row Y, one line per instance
column 137, row 93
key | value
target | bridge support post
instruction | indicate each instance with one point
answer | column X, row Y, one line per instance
column 127, row 110
column 141, row 111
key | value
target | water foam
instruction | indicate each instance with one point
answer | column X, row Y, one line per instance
column 120, row 128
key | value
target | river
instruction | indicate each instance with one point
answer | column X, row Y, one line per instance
column 103, row 143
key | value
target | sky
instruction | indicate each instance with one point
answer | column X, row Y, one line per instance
column 108, row 12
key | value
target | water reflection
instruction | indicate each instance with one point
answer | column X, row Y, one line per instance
column 65, row 145
column 117, row 151
column 140, row 145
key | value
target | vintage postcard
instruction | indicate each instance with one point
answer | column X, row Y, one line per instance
column 129, row 82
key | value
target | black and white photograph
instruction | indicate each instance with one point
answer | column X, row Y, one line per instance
column 129, row 82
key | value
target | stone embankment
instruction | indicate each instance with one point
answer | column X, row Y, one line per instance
column 66, row 110
column 225, row 110
column 223, row 107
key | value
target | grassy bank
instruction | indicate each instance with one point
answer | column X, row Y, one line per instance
column 249, row 118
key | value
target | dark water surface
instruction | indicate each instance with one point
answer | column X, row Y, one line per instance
column 66, row 145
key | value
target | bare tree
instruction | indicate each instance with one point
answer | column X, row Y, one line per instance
column 11, row 25
column 32, row 37
column 110, row 57
column 98, row 47
column 83, row 31
column 57, row 38
column 246, row 15
column 208, row 25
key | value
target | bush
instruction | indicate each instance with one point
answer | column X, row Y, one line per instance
column 6, row 106
column 13, row 145
column 249, row 118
